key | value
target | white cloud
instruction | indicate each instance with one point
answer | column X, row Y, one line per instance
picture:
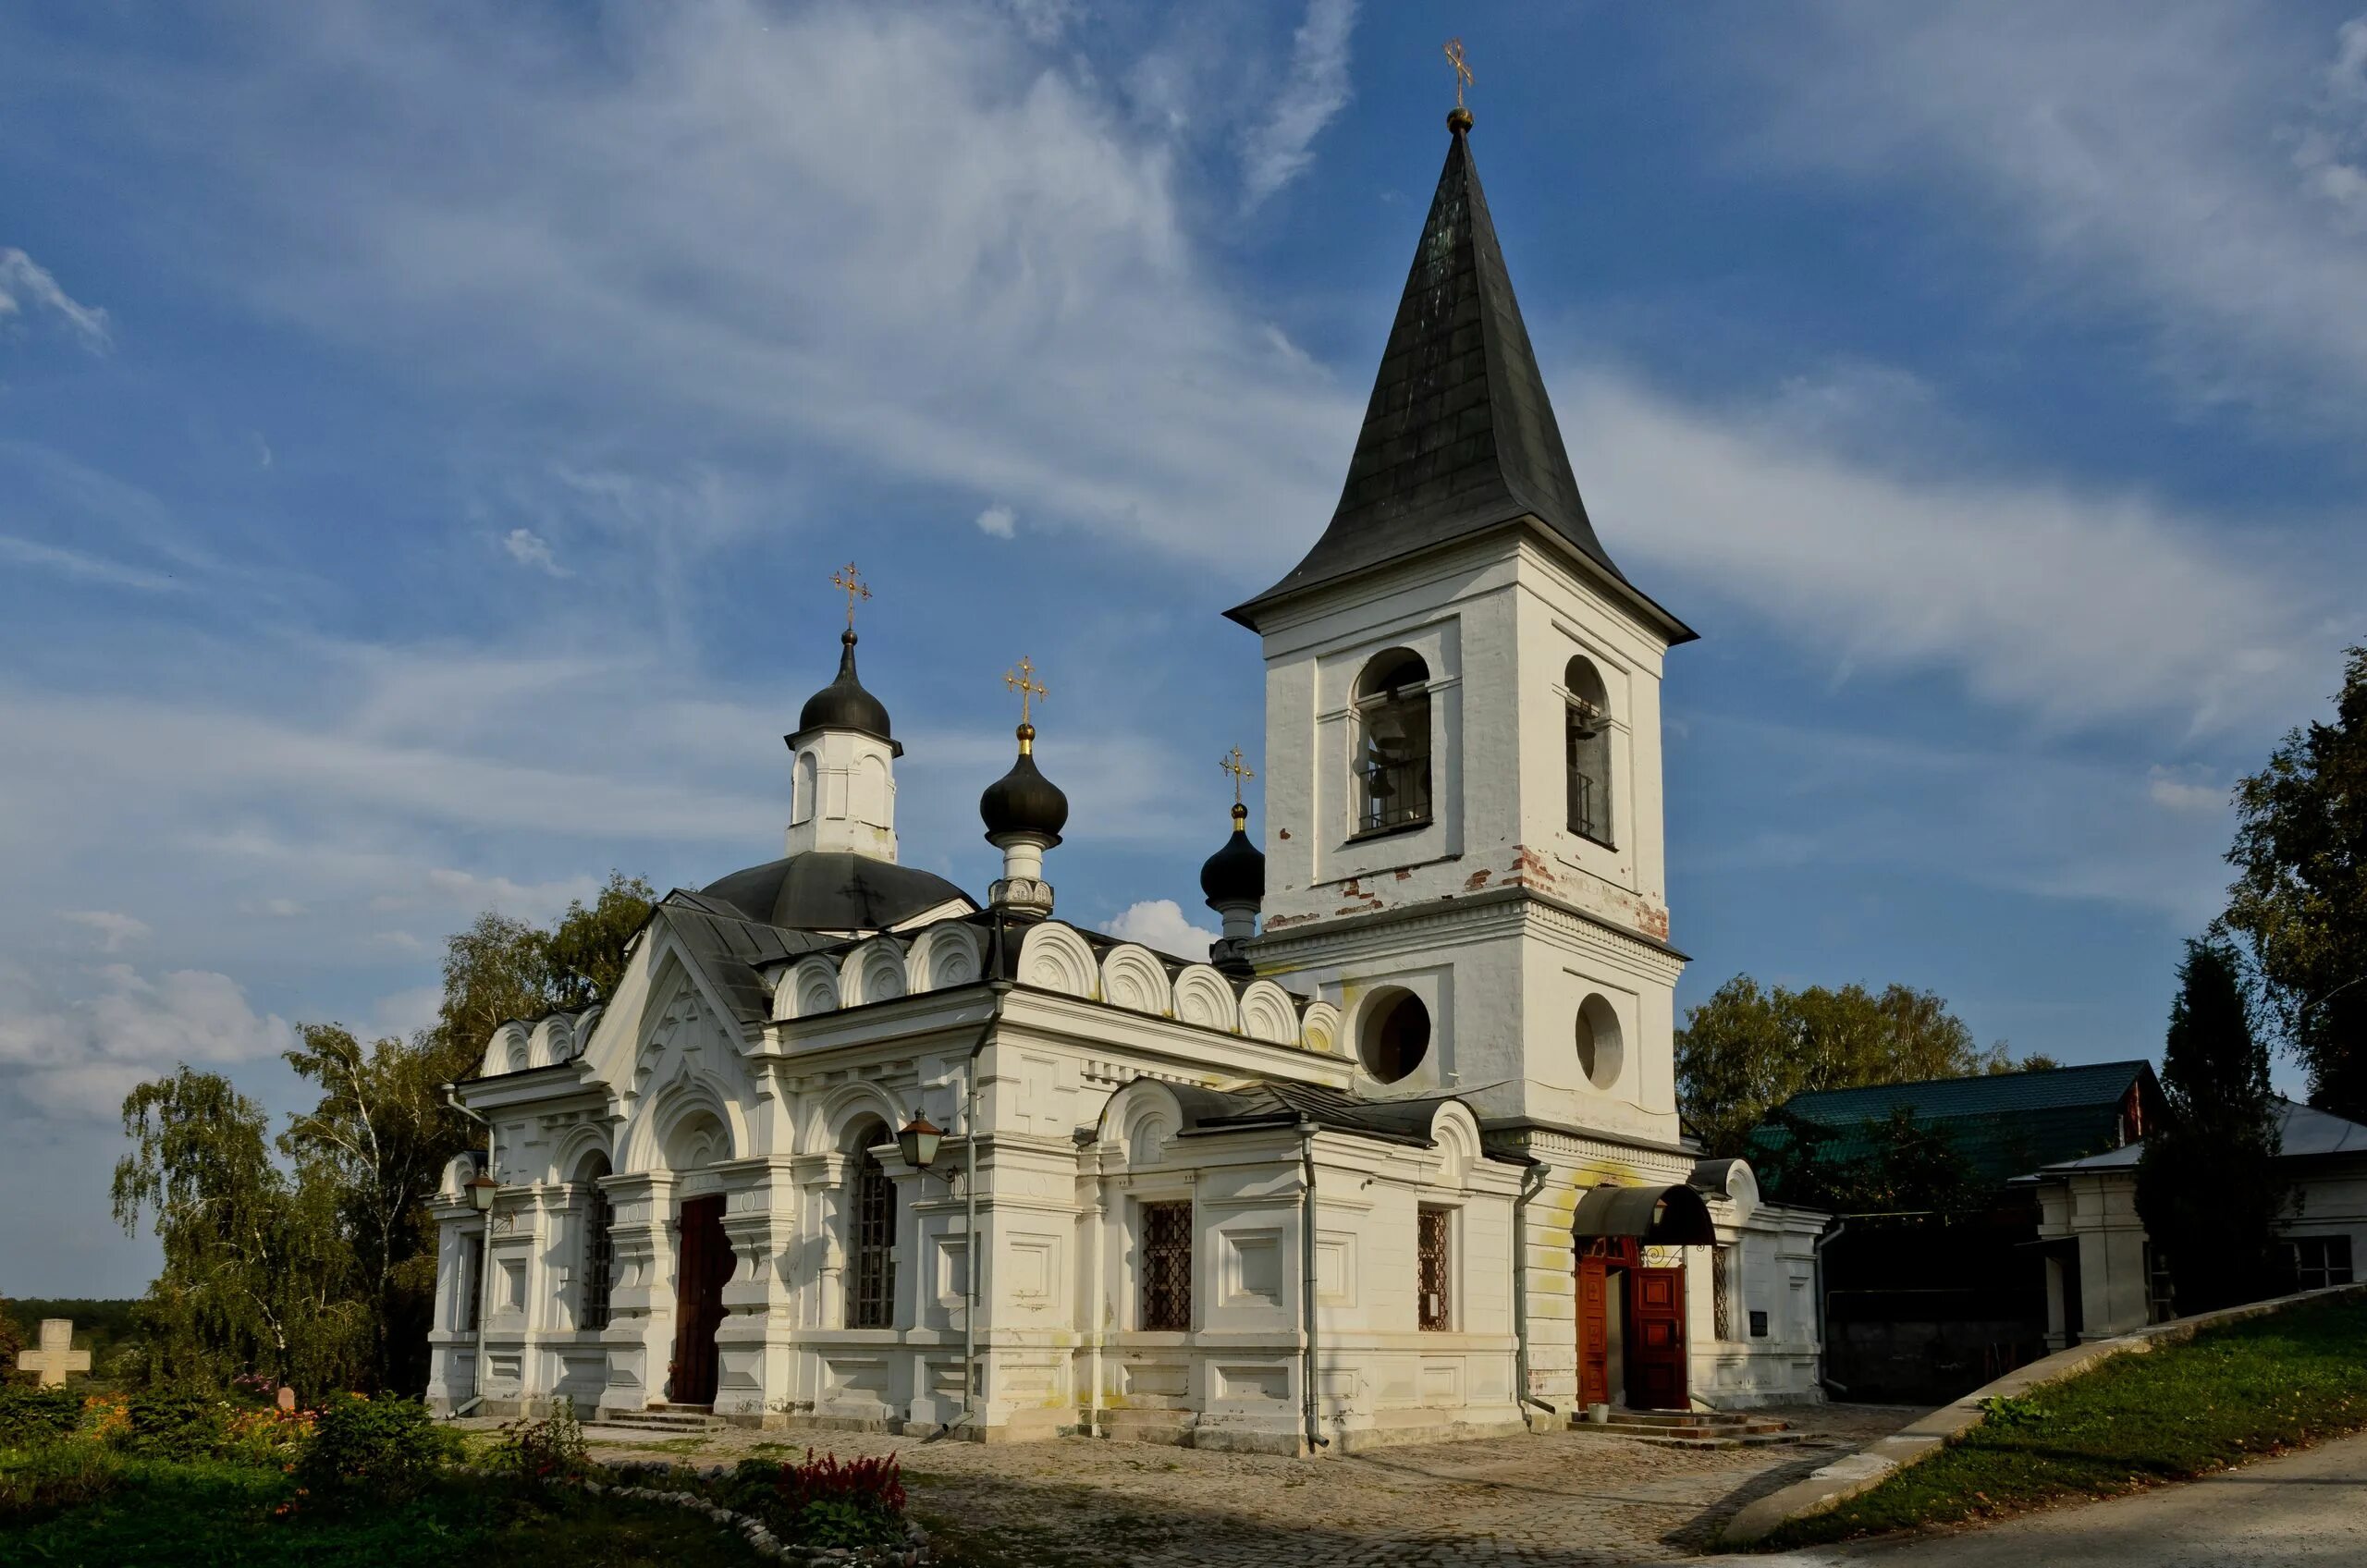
column 77, row 567
column 2071, row 606
column 25, row 283
column 115, row 929
column 529, row 548
column 1161, row 925
column 2189, row 164
column 2173, row 789
column 1309, row 97
column 998, row 521
column 78, row 1057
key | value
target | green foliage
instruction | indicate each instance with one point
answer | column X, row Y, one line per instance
column 381, row 1447
column 12, row 1340
column 542, row 1453
column 30, row 1415
column 2206, row 1183
column 175, row 1424
column 840, row 1522
column 238, row 1516
column 318, row 1269
column 43, row 1479
column 2007, row 1412
column 257, row 1267
column 1746, row 1050
column 2299, row 897
column 2230, row 1394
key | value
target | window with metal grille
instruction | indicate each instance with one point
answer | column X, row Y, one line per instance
column 599, row 1253
column 1392, row 764
column 1586, row 738
column 2161, row 1293
column 2320, row 1261
column 1721, row 1292
column 1435, row 1268
column 1167, row 1266
column 871, row 1275
column 474, row 1313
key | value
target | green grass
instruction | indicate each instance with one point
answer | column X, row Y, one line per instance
column 208, row 1514
column 2228, row 1395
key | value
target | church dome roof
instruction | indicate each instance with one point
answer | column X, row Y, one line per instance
column 844, row 703
column 833, row 891
column 1235, row 874
column 1023, row 801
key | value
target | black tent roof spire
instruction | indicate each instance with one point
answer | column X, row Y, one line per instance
column 1459, row 438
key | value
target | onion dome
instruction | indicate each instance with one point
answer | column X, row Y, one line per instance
column 1024, row 801
column 844, row 703
column 1236, row 874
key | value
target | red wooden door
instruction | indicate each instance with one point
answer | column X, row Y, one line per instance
column 1594, row 1331
column 1655, row 1344
column 702, row 1263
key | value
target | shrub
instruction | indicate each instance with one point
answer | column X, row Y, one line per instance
column 36, row 1415
column 53, row 1477
column 268, row 1437
column 540, row 1453
column 388, row 1445
column 175, row 1424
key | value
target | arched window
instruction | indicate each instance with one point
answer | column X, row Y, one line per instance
column 599, row 1244
column 1587, row 730
column 804, row 788
column 871, row 791
column 871, row 1241
column 1392, row 765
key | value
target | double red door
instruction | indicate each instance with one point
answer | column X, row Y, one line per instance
column 1641, row 1312
column 703, row 1265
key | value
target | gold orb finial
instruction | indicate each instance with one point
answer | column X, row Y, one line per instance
column 1459, row 117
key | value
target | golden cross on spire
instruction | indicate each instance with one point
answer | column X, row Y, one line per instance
column 854, row 587
column 1240, row 770
column 1463, row 76
column 1022, row 680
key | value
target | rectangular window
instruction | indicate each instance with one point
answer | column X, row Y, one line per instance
column 2320, row 1261
column 2161, row 1299
column 1435, row 1272
column 1721, row 1292
column 473, row 1310
column 599, row 1257
column 1167, row 1268
column 871, row 1274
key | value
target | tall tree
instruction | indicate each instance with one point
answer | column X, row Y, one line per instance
column 1747, row 1050
column 2300, row 899
column 257, row 1272
column 2206, row 1183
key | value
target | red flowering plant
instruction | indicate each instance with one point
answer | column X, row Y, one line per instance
column 823, row 1502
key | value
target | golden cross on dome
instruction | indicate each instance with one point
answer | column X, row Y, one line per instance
column 1022, row 680
column 845, row 578
column 1463, row 76
column 1239, row 769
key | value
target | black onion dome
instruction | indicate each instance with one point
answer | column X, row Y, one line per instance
column 844, row 703
column 1236, row 874
column 1023, row 801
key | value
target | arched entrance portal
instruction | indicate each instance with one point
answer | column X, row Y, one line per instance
column 703, row 1263
column 1631, row 1309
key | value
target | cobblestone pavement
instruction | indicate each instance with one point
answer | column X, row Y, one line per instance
column 1563, row 1501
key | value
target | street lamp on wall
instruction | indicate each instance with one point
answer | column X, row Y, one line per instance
column 481, row 1188
column 918, row 1141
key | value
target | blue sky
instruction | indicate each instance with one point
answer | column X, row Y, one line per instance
column 426, row 431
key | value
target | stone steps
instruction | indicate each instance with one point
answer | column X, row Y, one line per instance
column 673, row 1420
column 1693, row 1429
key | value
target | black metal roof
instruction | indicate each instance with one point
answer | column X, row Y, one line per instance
column 1278, row 1103
column 1235, row 874
column 1023, row 801
column 844, row 705
column 832, row 890
column 1459, row 438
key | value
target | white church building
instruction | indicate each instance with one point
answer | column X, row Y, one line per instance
column 1398, row 1160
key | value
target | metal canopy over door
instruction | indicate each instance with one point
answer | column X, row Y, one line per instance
column 703, row 1264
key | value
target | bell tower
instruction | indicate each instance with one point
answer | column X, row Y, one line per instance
column 842, row 783
column 1463, row 736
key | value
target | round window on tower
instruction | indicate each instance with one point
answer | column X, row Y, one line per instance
column 1396, row 1035
column 1599, row 1052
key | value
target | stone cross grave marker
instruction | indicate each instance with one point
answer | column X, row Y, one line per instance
column 56, row 1356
